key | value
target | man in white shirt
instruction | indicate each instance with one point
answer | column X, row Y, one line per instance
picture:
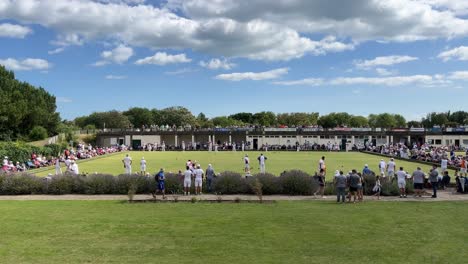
column 243, row 146
column 391, row 168
column 401, row 176
column 382, row 167
column 68, row 163
column 143, row 166
column 187, row 180
column 127, row 161
column 74, row 168
column 199, row 173
column 261, row 161
column 444, row 164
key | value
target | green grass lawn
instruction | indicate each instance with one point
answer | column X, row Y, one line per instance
column 222, row 161
column 285, row 232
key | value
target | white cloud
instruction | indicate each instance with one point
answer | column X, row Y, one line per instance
column 116, row 77
column 26, row 64
column 307, row 82
column 384, row 72
column 459, row 75
column 56, row 51
column 14, row 31
column 255, row 76
column 180, row 71
column 417, row 80
column 162, row 58
column 63, row 100
column 118, row 55
column 383, row 61
column 392, row 20
column 459, row 53
column 160, row 28
column 215, row 64
column 129, row 2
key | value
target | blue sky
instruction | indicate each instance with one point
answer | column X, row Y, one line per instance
column 225, row 56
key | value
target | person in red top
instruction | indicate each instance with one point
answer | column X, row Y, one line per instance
column 463, row 167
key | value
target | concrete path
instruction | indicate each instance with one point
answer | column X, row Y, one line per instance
column 445, row 195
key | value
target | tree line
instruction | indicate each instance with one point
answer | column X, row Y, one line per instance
column 138, row 117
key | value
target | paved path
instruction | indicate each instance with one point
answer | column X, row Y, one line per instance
column 446, row 195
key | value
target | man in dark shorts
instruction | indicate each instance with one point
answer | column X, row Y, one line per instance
column 418, row 181
column 354, row 181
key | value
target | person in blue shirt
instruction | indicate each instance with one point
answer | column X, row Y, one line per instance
column 161, row 182
column 366, row 170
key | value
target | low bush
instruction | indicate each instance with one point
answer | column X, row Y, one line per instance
column 270, row 183
column 231, row 183
column 100, row 184
column 296, row 182
column 20, row 184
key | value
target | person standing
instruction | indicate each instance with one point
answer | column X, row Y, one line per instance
column 353, row 182
column 377, row 187
column 382, row 167
column 243, row 146
column 143, row 166
column 434, row 179
column 391, row 168
column 418, row 181
column 261, row 161
column 322, row 166
column 127, row 161
column 187, row 180
column 401, row 177
column 246, row 163
column 210, row 174
column 161, row 182
column 199, row 173
column 74, row 167
column 58, row 170
column 444, row 164
column 321, row 182
column 340, row 183
column 463, row 167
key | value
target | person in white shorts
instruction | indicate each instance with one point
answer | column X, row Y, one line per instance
column 127, row 161
column 143, row 166
column 187, row 180
column 199, row 173
column 382, row 167
column 391, row 168
column 401, row 176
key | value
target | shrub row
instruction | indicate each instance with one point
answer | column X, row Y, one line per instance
column 293, row 182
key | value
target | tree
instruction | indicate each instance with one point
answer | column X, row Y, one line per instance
column 265, row 119
column 178, row 116
column 400, row 121
column 139, row 117
column 23, row 107
column 37, row 133
column 224, row 121
column 109, row 119
column 385, row 120
column 358, row 121
column 414, row 124
column 246, row 118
